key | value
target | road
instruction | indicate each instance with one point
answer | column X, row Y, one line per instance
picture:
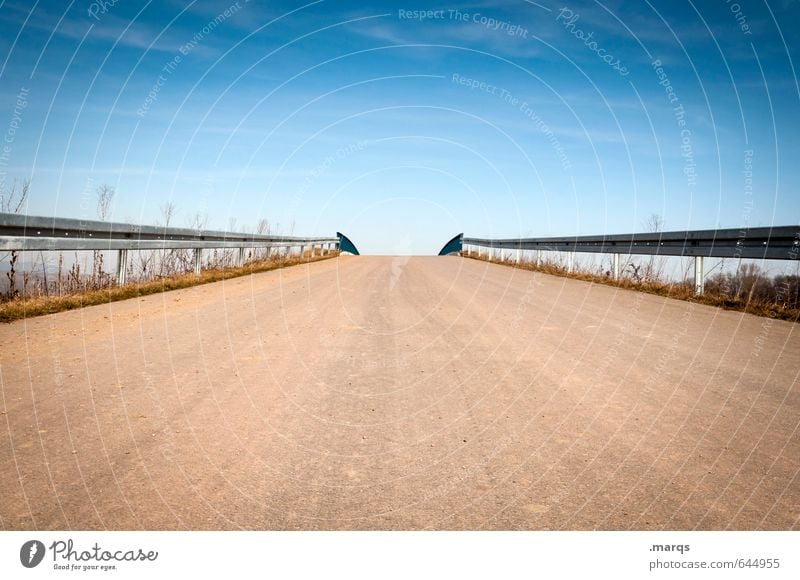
column 400, row 393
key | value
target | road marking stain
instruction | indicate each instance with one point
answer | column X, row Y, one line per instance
column 537, row 508
column 350, row 328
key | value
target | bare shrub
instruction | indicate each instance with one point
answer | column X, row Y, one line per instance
column 12, row 202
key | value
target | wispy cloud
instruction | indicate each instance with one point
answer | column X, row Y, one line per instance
column 110, row 29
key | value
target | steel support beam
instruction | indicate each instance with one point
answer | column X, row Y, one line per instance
column 699, row 275
column 122, row 266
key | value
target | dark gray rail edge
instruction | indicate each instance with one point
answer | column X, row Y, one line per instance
column 771, row 243
column 37, row 233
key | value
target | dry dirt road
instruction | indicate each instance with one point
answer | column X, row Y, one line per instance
column 400, row 393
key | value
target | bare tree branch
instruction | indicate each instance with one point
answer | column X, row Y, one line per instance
column 105, row 196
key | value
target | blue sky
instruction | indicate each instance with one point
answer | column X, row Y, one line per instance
column 496, row 118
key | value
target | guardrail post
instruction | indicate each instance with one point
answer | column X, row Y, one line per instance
column 519, row 255
column 570, row 262
column 538, row 258
column 699, row 275
column 122, row 266
column 240, row 259
column 616, row 267
column 198, row 254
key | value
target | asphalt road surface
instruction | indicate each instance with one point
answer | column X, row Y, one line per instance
column 400, row 393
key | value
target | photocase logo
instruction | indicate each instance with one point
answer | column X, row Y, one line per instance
column 31, row 553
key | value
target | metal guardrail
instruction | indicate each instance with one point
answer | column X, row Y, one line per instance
column 346, row 244
column 26, row 233
column 771, row 243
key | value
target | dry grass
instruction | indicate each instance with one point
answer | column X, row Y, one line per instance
column 677, row 290
column 40, row 305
